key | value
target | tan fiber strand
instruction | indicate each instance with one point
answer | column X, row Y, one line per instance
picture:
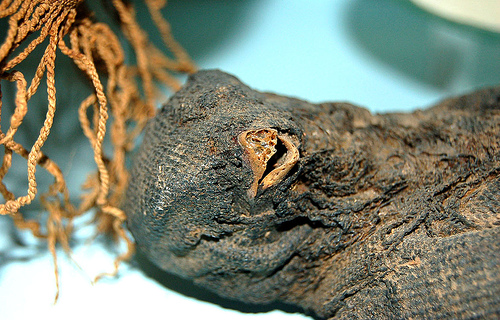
column 138, row 39
column 122, row 100
column 21, row 105
column 183, row 62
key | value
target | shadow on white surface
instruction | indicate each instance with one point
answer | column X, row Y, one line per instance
column 189, row 289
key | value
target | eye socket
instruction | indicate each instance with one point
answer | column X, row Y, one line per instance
column 263, row 145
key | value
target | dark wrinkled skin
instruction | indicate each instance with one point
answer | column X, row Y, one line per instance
column 383, row 216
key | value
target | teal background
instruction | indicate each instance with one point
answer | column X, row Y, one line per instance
column 386, row 55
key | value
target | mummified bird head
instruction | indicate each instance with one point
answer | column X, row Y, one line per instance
column 210, row 183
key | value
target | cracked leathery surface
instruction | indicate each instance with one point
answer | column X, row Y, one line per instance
column 346, row 214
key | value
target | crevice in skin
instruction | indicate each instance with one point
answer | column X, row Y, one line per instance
column 206, row 237
column 299, row 221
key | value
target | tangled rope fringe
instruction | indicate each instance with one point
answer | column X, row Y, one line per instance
column 129, row 96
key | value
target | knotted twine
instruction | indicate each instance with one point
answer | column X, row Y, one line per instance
column 129, row 96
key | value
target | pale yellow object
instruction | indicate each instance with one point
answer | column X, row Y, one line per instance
column 483, row 14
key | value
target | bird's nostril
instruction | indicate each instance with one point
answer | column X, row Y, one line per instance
column 271, row 156
column 260, row 146
column 283, row 164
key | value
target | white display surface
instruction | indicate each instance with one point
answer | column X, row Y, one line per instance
column 384, row 55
